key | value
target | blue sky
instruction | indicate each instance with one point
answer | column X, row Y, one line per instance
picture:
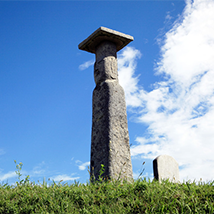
column 46, row 85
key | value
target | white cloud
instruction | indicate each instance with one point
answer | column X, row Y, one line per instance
column 85, row 65
column 64, row 178
column 37, row 172
column 82, row 166
column 179, row 111
column 38, row 169
column 7, row 176
column 126, row 68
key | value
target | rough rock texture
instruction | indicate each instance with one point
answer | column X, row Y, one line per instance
column 166, row 167
column 110, row 138
column 105, row 34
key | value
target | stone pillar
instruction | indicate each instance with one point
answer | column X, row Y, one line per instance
column 110, row 137
column 166, row 167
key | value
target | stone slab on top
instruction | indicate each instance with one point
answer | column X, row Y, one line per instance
column 105, row 34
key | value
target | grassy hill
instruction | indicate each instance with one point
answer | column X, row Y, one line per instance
column 141, row 196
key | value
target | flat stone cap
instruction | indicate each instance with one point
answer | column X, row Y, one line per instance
column 105, row 34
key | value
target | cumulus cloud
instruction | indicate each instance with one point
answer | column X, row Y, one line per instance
column 85, row 65
column 127, row 62
column 82, row 166
column 179, row 111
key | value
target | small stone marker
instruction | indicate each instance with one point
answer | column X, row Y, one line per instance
column 166, row 167
column 110, row 137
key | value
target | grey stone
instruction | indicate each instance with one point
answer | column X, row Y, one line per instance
column 105, row 34
column 110, row 137
column 166, row 167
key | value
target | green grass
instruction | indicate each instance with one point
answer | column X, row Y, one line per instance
column 141, row 196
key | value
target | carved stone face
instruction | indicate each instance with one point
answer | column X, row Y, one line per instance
column 105, row 67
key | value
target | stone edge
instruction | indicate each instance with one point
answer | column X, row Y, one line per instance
column 102, row 34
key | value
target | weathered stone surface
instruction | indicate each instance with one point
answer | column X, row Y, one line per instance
column 166, row 167
column 105, row 34
column 105, row 67
column 110, row 137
